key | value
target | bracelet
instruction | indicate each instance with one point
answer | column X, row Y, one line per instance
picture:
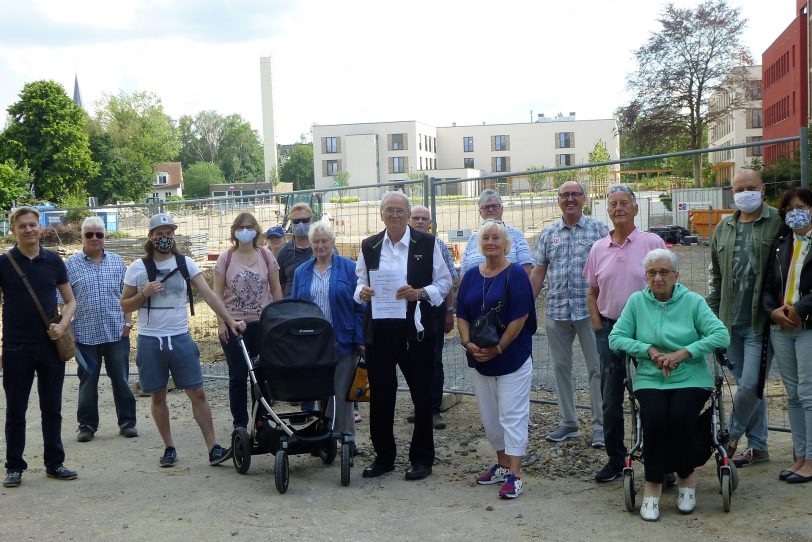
column 498, row 348
column 465, row 344
column 142, row 294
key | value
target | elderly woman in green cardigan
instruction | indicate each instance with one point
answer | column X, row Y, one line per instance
column 669, row 330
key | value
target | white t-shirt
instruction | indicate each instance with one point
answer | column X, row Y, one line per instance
column 167, row 315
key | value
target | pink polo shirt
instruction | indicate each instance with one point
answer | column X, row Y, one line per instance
column 617, row 270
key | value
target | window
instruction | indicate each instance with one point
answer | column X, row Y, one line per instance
column 468, row 163
column 421, row 163
column 564, row 140
column 397, row 164
column 161, row 178
column 468, row 144
column 397, row 142
column 754, row 151
column 756, row 93
column 332, row 167
column 501, row 163
column 500, row 143
column 330, row 145
column 420, row 142
column 754, row 118
column 564, row 160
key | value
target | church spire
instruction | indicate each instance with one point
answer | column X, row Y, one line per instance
column 77, row 96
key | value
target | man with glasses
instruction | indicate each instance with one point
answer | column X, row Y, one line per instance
column 444, row 317
column 395, row 342
column 102, row 330
column 614, row 271
column 298, row 250
column 490, row 206
column 561, row 254
column 740, row 248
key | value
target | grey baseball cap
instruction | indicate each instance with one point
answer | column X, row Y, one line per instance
column 161, row 219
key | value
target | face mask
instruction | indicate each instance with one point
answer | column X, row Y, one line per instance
column 749, row 201
column 245, row 235
column 797, row 219
column 163, row 244
column 301, row 229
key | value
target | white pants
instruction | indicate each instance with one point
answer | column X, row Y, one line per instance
column 504, row 406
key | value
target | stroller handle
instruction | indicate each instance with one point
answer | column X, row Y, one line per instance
column 722, row 359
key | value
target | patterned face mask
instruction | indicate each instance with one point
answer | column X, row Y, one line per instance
column 300, row 230
column 163, row 244
column 797, row 219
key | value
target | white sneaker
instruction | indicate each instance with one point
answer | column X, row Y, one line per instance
column 650, row 511
column 686, row 502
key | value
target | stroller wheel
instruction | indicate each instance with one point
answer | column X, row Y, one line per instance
column 734, row 477
column 329, row 451
column 241, row 447
column 346, row 463
column 727, row 491
column 282, row 471
column 628, row 488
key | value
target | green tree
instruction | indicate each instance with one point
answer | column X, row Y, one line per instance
column 598, row 175
column 201, row 137
column 537, row 179
column 15, row 184
column 342, row 178
column 241, row 153
column 198, row 177
column 298, row 168
column 696, row 52
column 46, row 133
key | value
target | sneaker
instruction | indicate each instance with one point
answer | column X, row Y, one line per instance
column 84, row 434
column 357, row 416
column 650, row 510
column 686, row 502
column 597, row 439
column 438, row 422
column 750, row 457
column 169, row 458
column 493, row 475
column 512, row 487
column 61, row 473
column 218, row 454
column 563, row 433
column 13, row 478
column 609, row 472
column 128, row 432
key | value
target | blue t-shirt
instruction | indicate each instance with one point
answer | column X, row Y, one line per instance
column 519, row 302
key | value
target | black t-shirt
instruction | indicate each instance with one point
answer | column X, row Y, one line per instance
column 289, row 258
column 21, row 320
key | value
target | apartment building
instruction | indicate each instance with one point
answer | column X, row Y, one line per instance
column 741, row 124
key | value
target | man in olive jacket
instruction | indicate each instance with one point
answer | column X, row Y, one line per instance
column 740, row 249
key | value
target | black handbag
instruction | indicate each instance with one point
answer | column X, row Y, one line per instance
column 488, row 329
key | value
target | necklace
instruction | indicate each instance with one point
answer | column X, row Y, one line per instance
column 484, row 293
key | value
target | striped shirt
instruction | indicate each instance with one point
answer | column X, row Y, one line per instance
column 519, row 251
column 320, row 291
column 97, row 289
column 563, row 250
column 449, row 261
column 800, row 247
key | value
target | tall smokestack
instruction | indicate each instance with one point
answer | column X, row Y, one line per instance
column 268, row 137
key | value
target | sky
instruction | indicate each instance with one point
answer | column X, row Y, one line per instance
column 438, row 62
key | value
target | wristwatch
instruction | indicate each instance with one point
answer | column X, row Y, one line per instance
column 424, row 295
column 128, row 325
column 465, row 344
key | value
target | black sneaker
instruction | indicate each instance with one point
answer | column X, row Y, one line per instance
column 84, row 434
column 13, row 478
column 609, row 472
column 61, row 473
column 128, row 432
column 169, row 458
column 218, row 454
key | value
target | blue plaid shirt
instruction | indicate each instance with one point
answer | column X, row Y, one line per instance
column 519, row 251
column 97, row 289
column 449, row 261
column 563, row 250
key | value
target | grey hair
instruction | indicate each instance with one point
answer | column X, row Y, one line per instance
column 322, row 227
column 500, row 227
column 661, row 254
column 92, row 222
column 622, row 188
column 488, row 194
column 390, row 193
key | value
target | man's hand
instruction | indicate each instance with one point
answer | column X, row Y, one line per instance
column 55, row 331
column 783, row 316
column 152, row 288
column 222, row 330
column 408, row 293
column 597, row 324
column 366, row 294
column 449, row 322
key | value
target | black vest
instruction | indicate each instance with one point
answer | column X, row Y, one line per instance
column 419, row 269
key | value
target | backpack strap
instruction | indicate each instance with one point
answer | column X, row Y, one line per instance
column 180, row 260
column 152, row 273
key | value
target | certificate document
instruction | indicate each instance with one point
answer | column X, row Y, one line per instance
column 386, row 282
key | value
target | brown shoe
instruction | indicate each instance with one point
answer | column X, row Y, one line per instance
column 750, row 457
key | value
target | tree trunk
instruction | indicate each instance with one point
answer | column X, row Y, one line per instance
column 697, row 161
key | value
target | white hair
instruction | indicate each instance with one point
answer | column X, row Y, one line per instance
column 660, row 254
column 92, row 222
column 400, row 194
column 489, row 194
column 322, row 227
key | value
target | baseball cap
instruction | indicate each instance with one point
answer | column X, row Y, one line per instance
column 161, row 219
column 275, row 231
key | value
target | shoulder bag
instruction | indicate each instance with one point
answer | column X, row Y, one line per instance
column 488, row 329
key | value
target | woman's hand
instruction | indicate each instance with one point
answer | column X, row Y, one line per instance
column 784, row 317
column 654, row 355
column 669, row 362
column 482, row 355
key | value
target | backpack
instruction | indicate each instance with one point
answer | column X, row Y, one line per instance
column 152, row 274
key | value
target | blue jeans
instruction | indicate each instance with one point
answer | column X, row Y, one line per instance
column 749, row 416
column 613, row 373
column 116, row 357
column 792, row 348
column 20, row 362
column 238, row 371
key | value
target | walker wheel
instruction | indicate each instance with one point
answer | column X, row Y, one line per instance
column 282, row 471
column 628, row 488
column 727, row 490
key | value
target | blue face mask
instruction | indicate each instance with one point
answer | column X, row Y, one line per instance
column 797, row 219
column 245, row 235
column 301, row 229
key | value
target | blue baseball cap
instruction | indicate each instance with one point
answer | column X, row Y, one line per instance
column 275, row 231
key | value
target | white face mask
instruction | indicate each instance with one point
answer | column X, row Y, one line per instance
column 245, row 235
column 748, row 201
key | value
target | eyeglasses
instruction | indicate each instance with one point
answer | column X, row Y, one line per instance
column 421, row 219
column 492, row 207
column 90, row 234
column 300, row 220
column 390, row 211
column 664, row 273
column 568, row 195
column 492, row 221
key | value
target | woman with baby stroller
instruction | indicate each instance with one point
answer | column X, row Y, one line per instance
column 669, row 330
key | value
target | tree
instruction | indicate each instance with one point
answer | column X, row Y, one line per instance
column 15, row 184
column 201, row 136
column 199, row 176
column 598, row 175
column 229, row 142
column 342, row 178
column 696, row 52
column 46, row 134
column 298, row 168
column 538, row 179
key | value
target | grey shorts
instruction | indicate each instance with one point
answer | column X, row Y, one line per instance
column 157, row 357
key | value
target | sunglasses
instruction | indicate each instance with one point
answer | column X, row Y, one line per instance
column 90, row 234
column 300, row 220
column 620, row 188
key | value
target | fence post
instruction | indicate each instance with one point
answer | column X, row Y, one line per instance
column 426, row 186
column 804, row 150
column 431, row 203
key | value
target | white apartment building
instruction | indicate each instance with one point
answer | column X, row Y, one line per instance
column 741, row 125
column 387, row 152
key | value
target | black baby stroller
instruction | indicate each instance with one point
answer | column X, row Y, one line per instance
column 296, row 363
column 711, row 428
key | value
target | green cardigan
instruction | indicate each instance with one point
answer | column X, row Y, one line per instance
column 684, row 321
